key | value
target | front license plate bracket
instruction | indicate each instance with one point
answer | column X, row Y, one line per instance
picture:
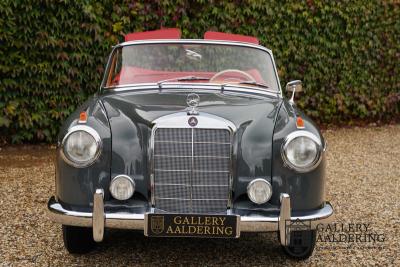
column 191, row 225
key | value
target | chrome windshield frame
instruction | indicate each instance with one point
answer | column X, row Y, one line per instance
column 184, row 41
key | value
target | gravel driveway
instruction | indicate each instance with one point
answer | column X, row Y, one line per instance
column 363, row 184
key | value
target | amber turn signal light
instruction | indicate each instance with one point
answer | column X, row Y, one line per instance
column 83, row 117
column 299, row 123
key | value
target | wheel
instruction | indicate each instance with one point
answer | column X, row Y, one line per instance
column 301, row 245
column 78, row 240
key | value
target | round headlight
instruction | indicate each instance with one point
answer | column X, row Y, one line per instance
column 81, row 146
column 301, row 151
column 122, row 187
column 259, row 191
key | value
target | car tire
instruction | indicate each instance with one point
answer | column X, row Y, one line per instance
column 302, row 244
column 78, row 240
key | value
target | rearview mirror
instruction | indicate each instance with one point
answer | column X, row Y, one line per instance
column 294, row 86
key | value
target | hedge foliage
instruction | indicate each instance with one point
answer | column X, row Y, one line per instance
column 53, row 53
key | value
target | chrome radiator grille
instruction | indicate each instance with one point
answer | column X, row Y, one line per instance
column 191, row 169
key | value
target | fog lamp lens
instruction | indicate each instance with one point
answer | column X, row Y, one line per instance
column 259, row 191
column 122, row 187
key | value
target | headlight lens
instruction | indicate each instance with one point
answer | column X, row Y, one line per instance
column 301, row 151
column 259, row 191
column 122, row 187
column 81, row 146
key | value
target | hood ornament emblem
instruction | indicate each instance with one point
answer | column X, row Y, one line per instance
column 193, row 101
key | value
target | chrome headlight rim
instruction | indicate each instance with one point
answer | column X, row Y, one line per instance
column 315, row 163
column 123, row 176
column 251, row 183
column 96, row 138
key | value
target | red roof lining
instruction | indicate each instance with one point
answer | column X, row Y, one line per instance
column 168, row 33
column 174, row 33
column 210, row 35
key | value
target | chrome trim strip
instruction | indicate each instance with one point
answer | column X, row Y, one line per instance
column 172, row 184
column 172, row 87
column 295, row 135
column 205, row 121
column 183, row 142
column 186, row 170
column 199, row 185
column 237, row 226
column 98, row 215
column 152, row 185
column 232, row 170
column 196, row 199
column 191, row 173
column 194, row 41
column 152, row 168
column 211, row 185
column 120, row 220
column 210, row 157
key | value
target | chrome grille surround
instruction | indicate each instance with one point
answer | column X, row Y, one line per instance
column 191, row 167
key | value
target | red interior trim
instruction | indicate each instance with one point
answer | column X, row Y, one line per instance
column 130, row 74
column 230, row 37
column 168, row 33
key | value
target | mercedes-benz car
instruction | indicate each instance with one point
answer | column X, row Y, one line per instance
column 191, row 138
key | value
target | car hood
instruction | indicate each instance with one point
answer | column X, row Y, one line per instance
column 131, row 115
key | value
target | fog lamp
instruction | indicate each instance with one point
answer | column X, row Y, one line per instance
column 259, row 191
column 122, row 187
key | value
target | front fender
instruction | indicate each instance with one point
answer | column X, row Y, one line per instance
column 76, row 186
column 305, row 189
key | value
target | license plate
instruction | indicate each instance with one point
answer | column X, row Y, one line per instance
column 191, row 225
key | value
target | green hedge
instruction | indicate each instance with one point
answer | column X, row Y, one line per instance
column 52, row 53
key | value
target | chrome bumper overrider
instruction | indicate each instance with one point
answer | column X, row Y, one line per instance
column 98, row 219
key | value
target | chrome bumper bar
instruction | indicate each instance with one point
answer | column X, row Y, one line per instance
column 98, row 219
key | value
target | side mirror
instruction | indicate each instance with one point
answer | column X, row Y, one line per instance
column 294, row 86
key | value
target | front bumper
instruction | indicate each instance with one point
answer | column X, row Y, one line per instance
column 251, row 222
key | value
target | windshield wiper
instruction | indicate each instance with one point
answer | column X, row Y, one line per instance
column 254, row 83
column 246, row 83
column 183, row 79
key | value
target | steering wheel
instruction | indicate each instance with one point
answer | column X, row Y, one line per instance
column 217, row 76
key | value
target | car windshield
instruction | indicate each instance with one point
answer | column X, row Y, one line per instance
column 194, row 63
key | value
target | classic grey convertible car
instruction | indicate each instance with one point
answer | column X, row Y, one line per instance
column 190, row 138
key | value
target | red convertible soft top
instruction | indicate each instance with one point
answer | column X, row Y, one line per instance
column 230, row 37
column 168, row 33
column 174, row 33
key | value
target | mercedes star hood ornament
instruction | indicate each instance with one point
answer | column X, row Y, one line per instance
column 193, row 101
